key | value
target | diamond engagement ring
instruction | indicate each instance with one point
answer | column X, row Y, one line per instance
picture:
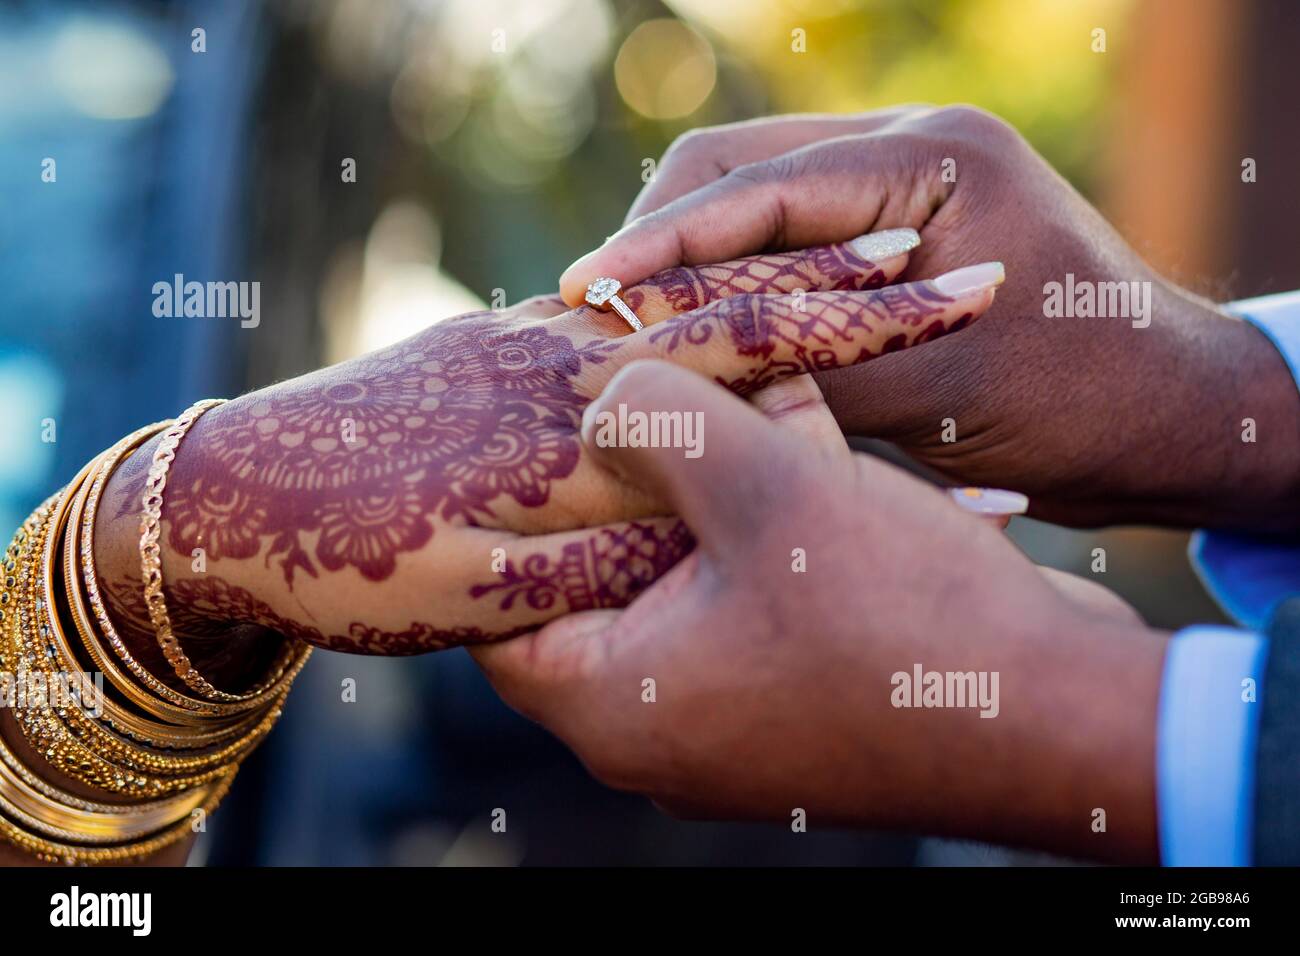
column 603, row 294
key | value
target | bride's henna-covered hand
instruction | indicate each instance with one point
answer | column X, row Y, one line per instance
column 435, row 493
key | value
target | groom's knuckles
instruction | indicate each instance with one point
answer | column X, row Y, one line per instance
column 797, row 404
column 510, row 669
column 700, row 156
column 693, row 159
column 971, row 124
column 715, row 223
column 558, row 653
column 641, row 393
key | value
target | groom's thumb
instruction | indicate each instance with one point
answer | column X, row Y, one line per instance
column 713, row 458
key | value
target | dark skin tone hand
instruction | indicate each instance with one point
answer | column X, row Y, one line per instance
column 773, row 688
column 1096, row 420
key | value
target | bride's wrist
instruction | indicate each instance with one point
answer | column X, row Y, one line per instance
column 228, row 651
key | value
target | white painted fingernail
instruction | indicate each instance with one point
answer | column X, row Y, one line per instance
column 986, row 275
column 886, row 244
column 990, row 501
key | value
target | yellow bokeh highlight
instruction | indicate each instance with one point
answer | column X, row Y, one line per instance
column 665, row 69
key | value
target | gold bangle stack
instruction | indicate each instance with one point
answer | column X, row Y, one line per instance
column 166, row 755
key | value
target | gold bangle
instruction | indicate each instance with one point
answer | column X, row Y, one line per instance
column 68, row 850
column 33, row 782
column 109, row 823
column 151, row 571
column 164, row 703
column 104, row 742
column 42, row 725
column 151, row 552
column 37, row 816
column 154, row 729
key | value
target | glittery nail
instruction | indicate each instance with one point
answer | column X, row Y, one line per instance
column 876, row 246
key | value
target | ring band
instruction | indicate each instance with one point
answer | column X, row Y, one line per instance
column 603, row 294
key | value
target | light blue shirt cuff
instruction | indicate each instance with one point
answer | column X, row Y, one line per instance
column 1249, row 575
column 1206, row 733
column 1278, row 317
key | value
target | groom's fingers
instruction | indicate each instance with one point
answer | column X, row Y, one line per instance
column 866, row 262
column 750, row 341
column 738, row 464
column 744, row 477
column 529, row 671
column 814, row 195
column 701, row 156
column 797, row 403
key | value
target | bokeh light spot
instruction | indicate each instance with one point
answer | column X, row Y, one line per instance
column 665, row 70
column 110, row 71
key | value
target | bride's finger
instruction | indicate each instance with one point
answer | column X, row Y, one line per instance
column 515, row 583
column 747, row 342
column 535, row 307
column 866, row 262
column 494, row 584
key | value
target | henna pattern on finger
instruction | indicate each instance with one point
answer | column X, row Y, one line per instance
column 763, row 327
column 608, row 570
column 829, row 268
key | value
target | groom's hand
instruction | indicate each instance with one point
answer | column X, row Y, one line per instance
column 1135, row 416
column 757, row 679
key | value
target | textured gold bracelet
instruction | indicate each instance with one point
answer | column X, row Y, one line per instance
column 128, row 755
column 163, row 703
column 172, row 754
column 34, row 783
column 70, row 849
column 43, row 725
column 53, row 815
column 151, row 571
column 151, row 552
